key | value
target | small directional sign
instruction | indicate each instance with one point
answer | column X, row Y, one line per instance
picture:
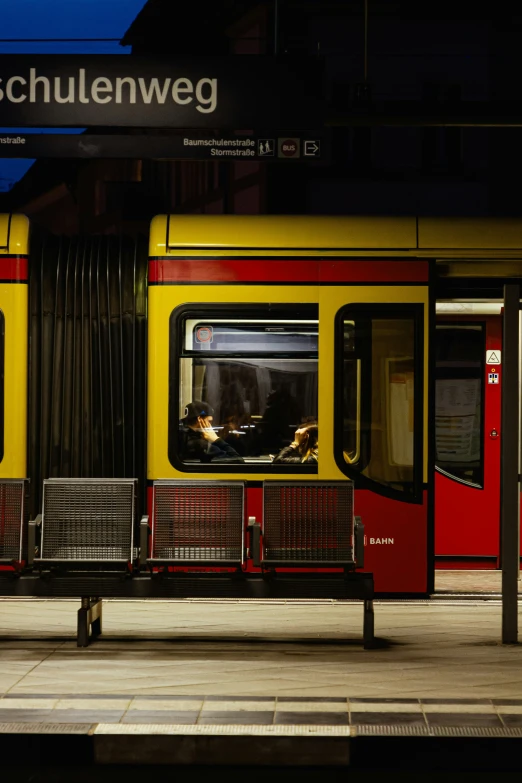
column 183, row 145
column 266, row 148
column 289, row 148
column 312, row 148
column 494, row 357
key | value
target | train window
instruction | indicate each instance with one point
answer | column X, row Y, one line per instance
column 254, row 370
column 459, row 378
column 379, row 372
column 2, row 379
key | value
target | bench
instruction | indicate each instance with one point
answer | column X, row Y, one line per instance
column 86, row 525
column 12, row 521
column 305, row 525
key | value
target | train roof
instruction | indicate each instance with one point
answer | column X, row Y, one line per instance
column 281, row 234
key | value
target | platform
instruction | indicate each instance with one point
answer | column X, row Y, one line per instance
column 252, row 682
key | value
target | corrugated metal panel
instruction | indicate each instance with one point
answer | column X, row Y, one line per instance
column 87, row 396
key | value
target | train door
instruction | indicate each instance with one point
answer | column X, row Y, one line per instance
column 381, row 391
column 468, row 375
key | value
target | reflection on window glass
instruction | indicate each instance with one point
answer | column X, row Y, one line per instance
column 246, row 390
column 458, row 401
column 378, row 399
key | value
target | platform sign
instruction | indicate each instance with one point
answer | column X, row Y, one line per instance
column 93, row 91
column 187, row 145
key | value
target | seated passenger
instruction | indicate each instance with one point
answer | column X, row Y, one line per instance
column 303, row 449
column 199, row 441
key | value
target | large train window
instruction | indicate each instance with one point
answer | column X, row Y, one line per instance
column 2, row 382
column 379, row 393
column 242, row 380
column 459, row 378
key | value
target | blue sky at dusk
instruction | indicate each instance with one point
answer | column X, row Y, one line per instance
column 44, row 19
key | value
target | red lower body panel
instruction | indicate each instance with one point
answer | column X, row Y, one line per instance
column 396, row 536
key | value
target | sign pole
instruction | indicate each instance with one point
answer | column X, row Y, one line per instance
column 509, row 484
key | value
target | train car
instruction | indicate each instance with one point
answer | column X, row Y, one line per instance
column 14, row 250
column 335, row 319
column 383, row 333
column 269, row 323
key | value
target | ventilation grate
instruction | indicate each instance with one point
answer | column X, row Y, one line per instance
column 308, row 522
column 88, row 520
column 196, row 521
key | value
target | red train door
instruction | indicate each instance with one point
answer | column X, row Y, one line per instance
column 468, row 376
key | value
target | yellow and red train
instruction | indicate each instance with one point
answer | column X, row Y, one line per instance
column 274, row 322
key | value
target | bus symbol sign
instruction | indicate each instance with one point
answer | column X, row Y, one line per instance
column 289, row 148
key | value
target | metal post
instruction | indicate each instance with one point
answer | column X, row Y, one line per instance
column 276, row 27
column 365, row 41
column 509, row 482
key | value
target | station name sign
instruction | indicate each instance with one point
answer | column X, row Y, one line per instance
column 127, row 91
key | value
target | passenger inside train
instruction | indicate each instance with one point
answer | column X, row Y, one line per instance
column 199, row 441
column 303, row 449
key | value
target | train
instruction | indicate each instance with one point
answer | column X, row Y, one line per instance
column 385, row 332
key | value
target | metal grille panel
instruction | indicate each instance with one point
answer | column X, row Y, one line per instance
column 88, row 520
column 11, row 519
column 196, row 521
column 308, row 522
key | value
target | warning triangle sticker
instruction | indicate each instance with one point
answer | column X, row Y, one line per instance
column 493, row 358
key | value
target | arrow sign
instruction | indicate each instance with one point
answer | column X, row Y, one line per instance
column 312, row 148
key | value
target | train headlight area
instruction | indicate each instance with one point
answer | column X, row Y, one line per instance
column 302, row 406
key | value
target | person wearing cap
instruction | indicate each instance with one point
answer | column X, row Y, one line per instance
column 199, row 441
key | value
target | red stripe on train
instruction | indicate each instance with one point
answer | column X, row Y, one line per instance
column 276, row 270
column 14, row 268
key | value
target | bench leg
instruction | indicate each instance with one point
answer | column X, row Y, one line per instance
column 89, row 621
column 369, row 625
column 96, row 618
column 83, row 624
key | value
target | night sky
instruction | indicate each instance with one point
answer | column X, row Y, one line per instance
column 61, row 19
